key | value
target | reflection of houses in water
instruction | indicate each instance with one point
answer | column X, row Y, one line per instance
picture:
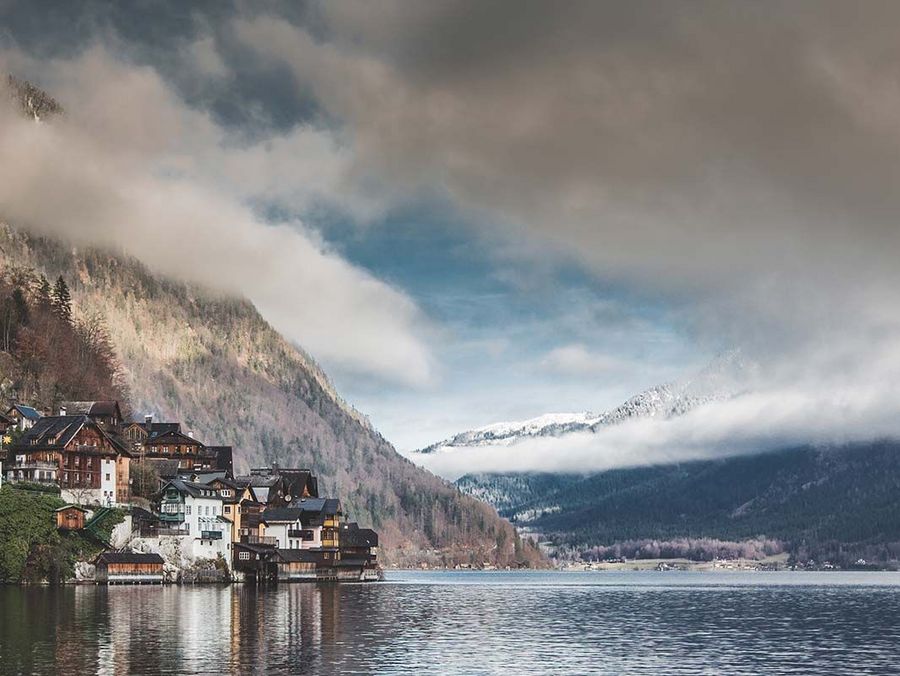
column 232, row 629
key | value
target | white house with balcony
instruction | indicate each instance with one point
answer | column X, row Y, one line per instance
column 195, row 511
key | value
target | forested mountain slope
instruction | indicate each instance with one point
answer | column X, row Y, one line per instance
column 838, row 501
column 212, row 362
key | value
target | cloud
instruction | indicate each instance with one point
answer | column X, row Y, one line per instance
column 577, row 360
column 737, row 160
column 130, row 165
column 749, row 423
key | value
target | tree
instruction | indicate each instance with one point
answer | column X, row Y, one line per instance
column 13, row 315
column 43, row 293
column 62, row 300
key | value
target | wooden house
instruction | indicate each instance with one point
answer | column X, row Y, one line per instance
column 70, row 517
column 23, row 417
column 128, row 568
column 358, row 544
column 90, row 465
column 296, row 565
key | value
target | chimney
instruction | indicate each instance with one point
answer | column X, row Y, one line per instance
column 148, row 421
column 191, row 433
column 62, row 410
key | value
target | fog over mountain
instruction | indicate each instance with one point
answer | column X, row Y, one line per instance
column 699, row 176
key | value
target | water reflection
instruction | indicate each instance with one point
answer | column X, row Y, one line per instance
column 461, row 623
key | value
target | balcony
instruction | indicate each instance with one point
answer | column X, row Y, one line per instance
column 306, row 535
column 259, row 540
column 211, row 535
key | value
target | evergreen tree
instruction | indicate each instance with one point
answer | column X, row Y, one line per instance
column 62, row 300
column 44, row 300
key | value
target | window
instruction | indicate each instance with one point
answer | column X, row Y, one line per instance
column 228, row 509
column 107, row 477
column 187, row 510
column 244, row 556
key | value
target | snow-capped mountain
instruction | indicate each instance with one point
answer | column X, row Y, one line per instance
column 722, row 378
column 510, row 432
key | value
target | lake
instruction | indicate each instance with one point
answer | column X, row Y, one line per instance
column 465, row 623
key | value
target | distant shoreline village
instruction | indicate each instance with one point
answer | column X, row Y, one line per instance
column 146, row 502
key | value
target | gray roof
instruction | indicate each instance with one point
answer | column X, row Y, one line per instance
column 280, row 515
column 328, row 506
column 56, row 431
column 167, row 469
column 295, row 555
column 107, row 408
column 192, row 489
column 128, row 557
column 351, row 535
column 26, row 411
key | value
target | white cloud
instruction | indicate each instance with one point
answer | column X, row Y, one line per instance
column 130, row 165
column 749, row 423
column 579, row 361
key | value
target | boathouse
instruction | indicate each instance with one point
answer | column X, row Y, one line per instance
column 128, row 568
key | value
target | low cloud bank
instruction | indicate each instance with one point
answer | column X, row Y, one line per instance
column 131, row 166
column 745, row 424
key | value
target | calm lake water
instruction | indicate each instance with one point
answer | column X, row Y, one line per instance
column 465, row 623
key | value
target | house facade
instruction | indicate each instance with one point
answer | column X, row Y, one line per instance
column 89, row 464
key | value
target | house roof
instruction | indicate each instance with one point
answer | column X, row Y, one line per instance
column 351, row 535
column 171, row 436
column 193, row 489
column 325, row 506
column 298, row 555
column 25, row 411
column 57, row 431
column 266, row 550
column 204, row 476
column 280, row 515
column 167, row 469
column 64, row 508
column 128, row 557
column 92, row 408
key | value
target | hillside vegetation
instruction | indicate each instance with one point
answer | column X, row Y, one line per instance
column 211, row 361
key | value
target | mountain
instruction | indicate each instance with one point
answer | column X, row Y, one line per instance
column 213, row 362
column 720, row 379
column 839, row 503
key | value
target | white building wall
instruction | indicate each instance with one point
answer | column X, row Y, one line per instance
column 280, row 531
column 200, row 508
column 108, row 481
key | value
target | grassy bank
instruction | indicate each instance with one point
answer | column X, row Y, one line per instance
column 32, row 550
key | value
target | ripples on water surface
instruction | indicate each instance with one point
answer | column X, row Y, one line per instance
column 465, row 623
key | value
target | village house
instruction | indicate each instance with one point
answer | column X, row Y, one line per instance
column 23, row 417
column 310, row 523
column 196, row 510
column 167, row 441
column 90, row 465
column 183, row 504
column 358, row 545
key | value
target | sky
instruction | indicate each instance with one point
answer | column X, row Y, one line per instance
column 479, row 211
